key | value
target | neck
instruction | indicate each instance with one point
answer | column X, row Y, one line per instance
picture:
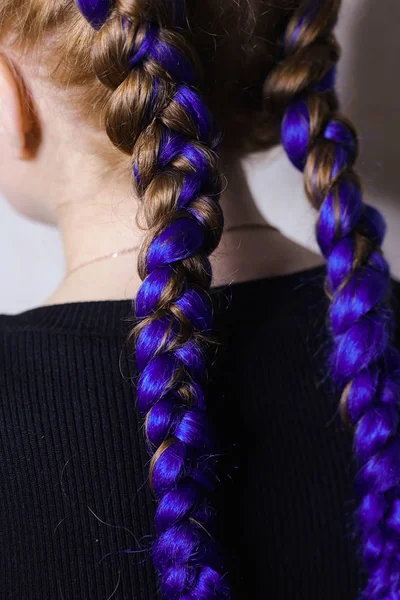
column 93, row 229
column 237, row 201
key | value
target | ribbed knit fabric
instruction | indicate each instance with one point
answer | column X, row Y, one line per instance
column 76, row 513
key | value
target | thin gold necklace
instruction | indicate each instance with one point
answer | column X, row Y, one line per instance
column 250, row 226
column 125, row 251
column 101, row 258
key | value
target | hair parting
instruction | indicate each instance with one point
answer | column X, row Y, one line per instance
column 365, row 364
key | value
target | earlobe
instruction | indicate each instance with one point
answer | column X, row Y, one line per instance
column 16, row 119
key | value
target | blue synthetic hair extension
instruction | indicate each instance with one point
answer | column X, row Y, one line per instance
column 173, row 154
column 365, row 364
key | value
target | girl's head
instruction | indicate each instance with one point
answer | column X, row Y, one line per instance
column 137, row 93
column 57, row 136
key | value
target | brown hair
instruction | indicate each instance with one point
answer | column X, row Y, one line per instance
column 236, row 44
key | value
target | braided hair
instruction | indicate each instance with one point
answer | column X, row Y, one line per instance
column 157, row 116
column 365, row 364
column 154, row 114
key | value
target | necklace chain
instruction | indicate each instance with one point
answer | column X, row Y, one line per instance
column 125, row 251
column 101, row 258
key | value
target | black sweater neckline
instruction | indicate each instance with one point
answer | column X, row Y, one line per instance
column 115, row 317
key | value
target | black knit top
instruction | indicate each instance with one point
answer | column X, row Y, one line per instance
column 76, row 513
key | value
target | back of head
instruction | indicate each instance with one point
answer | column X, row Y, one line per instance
column 159, row 75
column 236, row 44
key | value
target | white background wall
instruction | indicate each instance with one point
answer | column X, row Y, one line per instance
column 31, row 262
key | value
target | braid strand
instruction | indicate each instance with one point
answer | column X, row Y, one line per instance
column 323, row 144
column 156, row 115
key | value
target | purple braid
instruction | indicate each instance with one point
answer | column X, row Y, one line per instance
column 170, row 135
column 95, row 11
column 365, row 364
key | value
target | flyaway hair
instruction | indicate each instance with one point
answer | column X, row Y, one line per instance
column 156, row 115
column 323, row 144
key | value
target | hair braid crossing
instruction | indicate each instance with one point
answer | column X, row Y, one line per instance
column 156, row 115
column 323, row 144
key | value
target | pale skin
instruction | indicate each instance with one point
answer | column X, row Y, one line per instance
column 56, row 168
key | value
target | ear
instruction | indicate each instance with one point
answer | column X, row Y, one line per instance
column 16, row 119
